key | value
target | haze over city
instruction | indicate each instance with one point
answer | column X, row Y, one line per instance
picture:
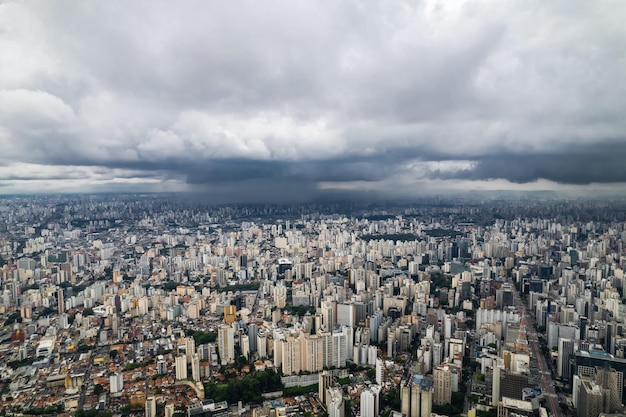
column 248, row 101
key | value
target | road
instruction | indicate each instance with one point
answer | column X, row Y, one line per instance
column 546, row 379
column 468, row 393
column 87, row 378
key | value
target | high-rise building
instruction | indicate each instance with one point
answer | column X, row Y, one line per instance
column 589, row 398
column 334, row 403
column 289, row 349
column 181, row 368
column 261, row 344
column 190, row 348
column 60, row 301
column 443, row 385
column 346, row 314
column 340, row 349
column 325, row 379
column 230, row 314
column 253, row 330
column 226, row 343
column 170, row 410
column 380, row 370
column 161, row 367
column 495, row 385
column 311, row 353
column 195, row 367
column 566, row 351
column 370, row 401
column 416, row 395
column 244, row 344
column 151, row 407
column 116, row 382
column 610, row 380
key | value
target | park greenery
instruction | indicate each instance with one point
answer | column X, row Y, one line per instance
column 246, row 389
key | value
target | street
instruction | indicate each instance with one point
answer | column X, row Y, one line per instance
column 546, row 379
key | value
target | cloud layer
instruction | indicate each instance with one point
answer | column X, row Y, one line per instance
column 243, row 98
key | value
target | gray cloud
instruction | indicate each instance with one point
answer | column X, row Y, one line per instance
column 582, row 165
column 201, row 94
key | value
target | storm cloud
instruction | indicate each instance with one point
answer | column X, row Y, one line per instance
column 245, row 98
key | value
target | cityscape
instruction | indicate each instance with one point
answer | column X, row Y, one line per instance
column 354, row 208
column 159, row 305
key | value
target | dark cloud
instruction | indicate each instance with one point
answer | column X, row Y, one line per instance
column 580, row 165
column 239, row 97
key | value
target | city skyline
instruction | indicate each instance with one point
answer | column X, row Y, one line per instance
column 246, row 102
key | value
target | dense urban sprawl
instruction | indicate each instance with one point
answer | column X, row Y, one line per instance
column 161, row 305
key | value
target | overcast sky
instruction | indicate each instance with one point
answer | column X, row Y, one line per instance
column 251, row 100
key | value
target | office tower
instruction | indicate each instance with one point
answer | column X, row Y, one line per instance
column 116, row 382
column 325, row 379
column 566, row 351
column 610, row 381
column 151, row 407
column 181, row 368
column 169, row 410
column 370, row 401
column 253, row 330
column 589, row 399
column 226, row 343
column 512, row 384
column 443, row 385
column 335, row 405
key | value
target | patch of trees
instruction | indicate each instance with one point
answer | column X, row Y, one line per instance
column 14, row 317
column 23, row 362
column 442, row 233
column 402, row 237
column 246, row 389
column 93, row 413
column 202, row 338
